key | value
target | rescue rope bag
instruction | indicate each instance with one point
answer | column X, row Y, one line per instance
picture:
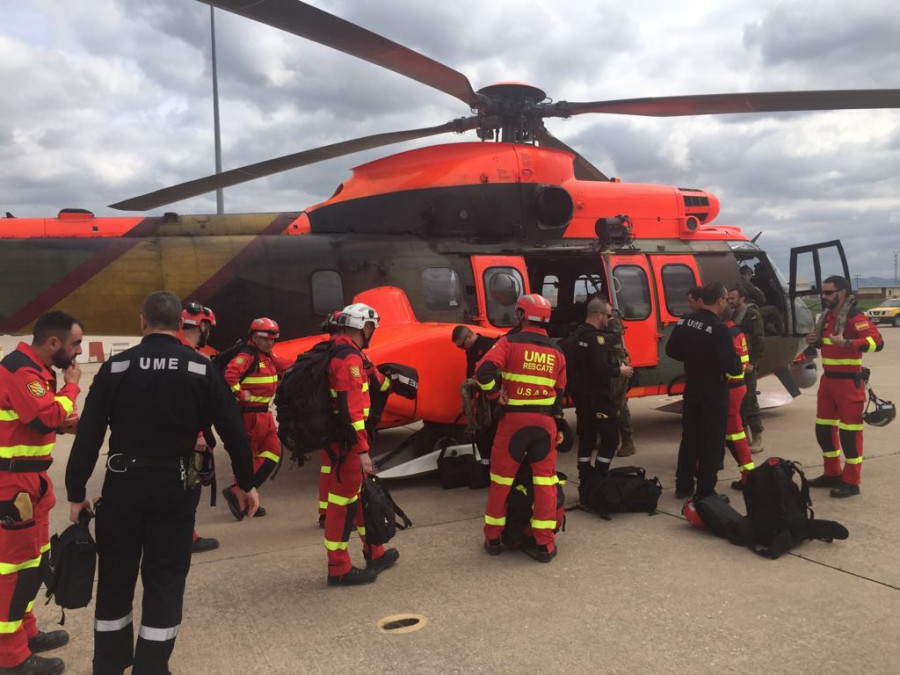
column 517, row 532
column 625, row 489
column 380, row 512
column 69, row 576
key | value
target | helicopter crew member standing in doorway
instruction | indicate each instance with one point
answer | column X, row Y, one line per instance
column 843, row 333
column 476, row 346
column 528, row 371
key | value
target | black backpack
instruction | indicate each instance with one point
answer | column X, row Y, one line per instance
column 226, row 356
column 520, row 508
column 780, row 509
column 721, row 518
column 380, row 512
column 624, row 489
column 69, row 576
column 305, row 414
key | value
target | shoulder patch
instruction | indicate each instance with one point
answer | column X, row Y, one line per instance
column 36, row 388
column 601, row 340
column 354, row 371
column 861, row 325
column 240, row 360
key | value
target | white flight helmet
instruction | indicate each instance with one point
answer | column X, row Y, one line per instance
column 358, row 315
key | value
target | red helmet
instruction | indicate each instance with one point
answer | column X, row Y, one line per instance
column 535, row 307
column 264, row 328
column 689, row 511
column 193, row 313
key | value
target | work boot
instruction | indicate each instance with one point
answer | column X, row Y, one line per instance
column 756, row 444
column 737, row 485
column 384, row 561
column 844, row 490
column 202, row 545
column 541, row 554
column 355, row 577
column 44, row 642
column 825, row 481
column 627, row 448
column 37, row 665
column 260, row 512
column 482, row 477
column 234, row 505
column 493, row 546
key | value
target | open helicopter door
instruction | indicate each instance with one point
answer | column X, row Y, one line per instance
column 806, row 275
column 500, row 280
column 632, row 294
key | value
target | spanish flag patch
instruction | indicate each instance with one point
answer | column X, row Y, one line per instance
column 36, row 388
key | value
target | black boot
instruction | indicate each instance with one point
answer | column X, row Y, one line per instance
column 37, row 665
column 355, row 577
column 44, row 642
column 386, row 560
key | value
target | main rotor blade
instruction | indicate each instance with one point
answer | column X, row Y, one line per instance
column 243, row 174
column 720, row 104
column 313, row 24
column 584, row 170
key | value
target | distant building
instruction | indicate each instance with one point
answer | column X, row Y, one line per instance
column 878, row 292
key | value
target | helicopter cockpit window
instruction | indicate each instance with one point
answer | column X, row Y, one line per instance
column 327, row 291
column 587, row 286
column 502, row 287
column 632, row 292
column 440, row 287
column 550, row 289
column 677, row 281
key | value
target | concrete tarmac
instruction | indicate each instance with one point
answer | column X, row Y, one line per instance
column 636, row 594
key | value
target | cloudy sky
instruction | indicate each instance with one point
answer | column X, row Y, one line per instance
column 108, row 99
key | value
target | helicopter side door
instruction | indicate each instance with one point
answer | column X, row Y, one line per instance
column 632, row 294
column 808, row 285
column 500, row 280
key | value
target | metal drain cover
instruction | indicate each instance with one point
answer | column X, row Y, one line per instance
column 401, row 623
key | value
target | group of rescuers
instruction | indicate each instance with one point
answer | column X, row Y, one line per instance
column 160, row 398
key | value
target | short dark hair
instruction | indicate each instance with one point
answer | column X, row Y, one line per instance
column 55, row 323
column 459, row 333
column 739, row 289
column 162, row 310
column 746, row 268
column 840, row 283
column 711, row 292
column 695, row 292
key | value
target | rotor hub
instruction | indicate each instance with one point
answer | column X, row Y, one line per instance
column 511, row 108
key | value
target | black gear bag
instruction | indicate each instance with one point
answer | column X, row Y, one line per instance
column 69, row 576
column 380, row 512
column 520, row 508
column 625, row 489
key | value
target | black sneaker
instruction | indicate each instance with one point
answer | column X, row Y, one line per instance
column 380, row 564
column 202, row 545
column 541, row 554
column 37, row 665
column 234, row 505
column 844, row 490
column 260, row 512
column 825, row 481
column 737, row 485
column 355, row 577
column 493, row 546
column 44, row 642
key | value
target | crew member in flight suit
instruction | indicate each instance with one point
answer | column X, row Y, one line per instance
column 843, row 333
column 253, row 377
column 735, row 436
column 349, row 452
column 32, row 412
column 528, row 371
column 154, row 398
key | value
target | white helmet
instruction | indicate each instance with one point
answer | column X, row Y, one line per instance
column 357, row 315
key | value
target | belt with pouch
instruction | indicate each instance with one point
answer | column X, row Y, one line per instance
column 25, row 465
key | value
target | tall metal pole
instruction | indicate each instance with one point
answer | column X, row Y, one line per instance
column 220, row 195
column 896, row 253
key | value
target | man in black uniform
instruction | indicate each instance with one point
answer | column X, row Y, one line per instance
column 155, row 398
column 702, row 342
column 591, row 371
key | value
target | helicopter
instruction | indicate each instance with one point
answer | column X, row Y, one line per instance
column 432, row 237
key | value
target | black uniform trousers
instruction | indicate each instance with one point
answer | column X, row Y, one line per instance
column 589, row 426
column 144, row 522
column 704, row 419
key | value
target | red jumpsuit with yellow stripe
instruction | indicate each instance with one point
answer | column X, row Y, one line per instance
column 376, row 380
column 842, row 393
column 531, row 371
column 349, row 385
column 254, row 387
column 735, row 436
column 30, row 411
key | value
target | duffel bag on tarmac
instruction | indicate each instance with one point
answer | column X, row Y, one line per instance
column 720, row 518
column 624, row 489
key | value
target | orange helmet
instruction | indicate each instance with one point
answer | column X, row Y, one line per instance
column 535, row 307
column 264, row 328
column 689, row 511
column 194, row 313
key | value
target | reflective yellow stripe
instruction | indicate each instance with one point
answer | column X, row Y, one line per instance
column 45, row 548
column 366, row 413
column 736, row 437
column 66, row 403
column 871, row 345
column 734, row 377
column 259, row 399
column 745, row 358
column 11, row 451
column 362, row 530
column 8, row 415
column 827, row 422
column 850, row 427
column 530, row 379
column 333, row 393
column 325, row 469
column 386, row 384
column 546, row 480
column 365, row 386
column 29, row 606
column 270, row 455
column 341, row 501
column 490, row 520
column 531, row 401
column 12, row 568
column 487, row 386
column 501, row 480
column 359, row 426
column 854, row 460
column 521, row 488
column 747, row 467
column 842, row 362
column 827, row 341
column 7, row 627
column 323, row 505
column 265, row 379
column 832, row 454
column 336, row 545
column 543, row 524
column 236, row 387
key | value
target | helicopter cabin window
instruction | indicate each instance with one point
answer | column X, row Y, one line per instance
column 502, row 287
column 550, row 289
column 440, row 287
column 677, row 281
column 632, row 292
column 327, row 291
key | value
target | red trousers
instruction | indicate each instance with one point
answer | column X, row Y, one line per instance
column 21, row 552
column 524, row 437
column 261, row 430
column 324, row 479
column 344, row 510
column 839, row 424
column 735, row 436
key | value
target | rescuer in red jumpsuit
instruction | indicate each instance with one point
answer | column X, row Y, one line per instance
column 843, row 334
column 528, row 371
column 253, row 377
column 735, row 436
column 349, row 452
column 32, row 411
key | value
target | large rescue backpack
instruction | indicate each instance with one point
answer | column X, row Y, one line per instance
column 780, row 509
column 69, row 577
column 221, row 359
column 622, row 490
column 517, row 532
column 380, row 512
